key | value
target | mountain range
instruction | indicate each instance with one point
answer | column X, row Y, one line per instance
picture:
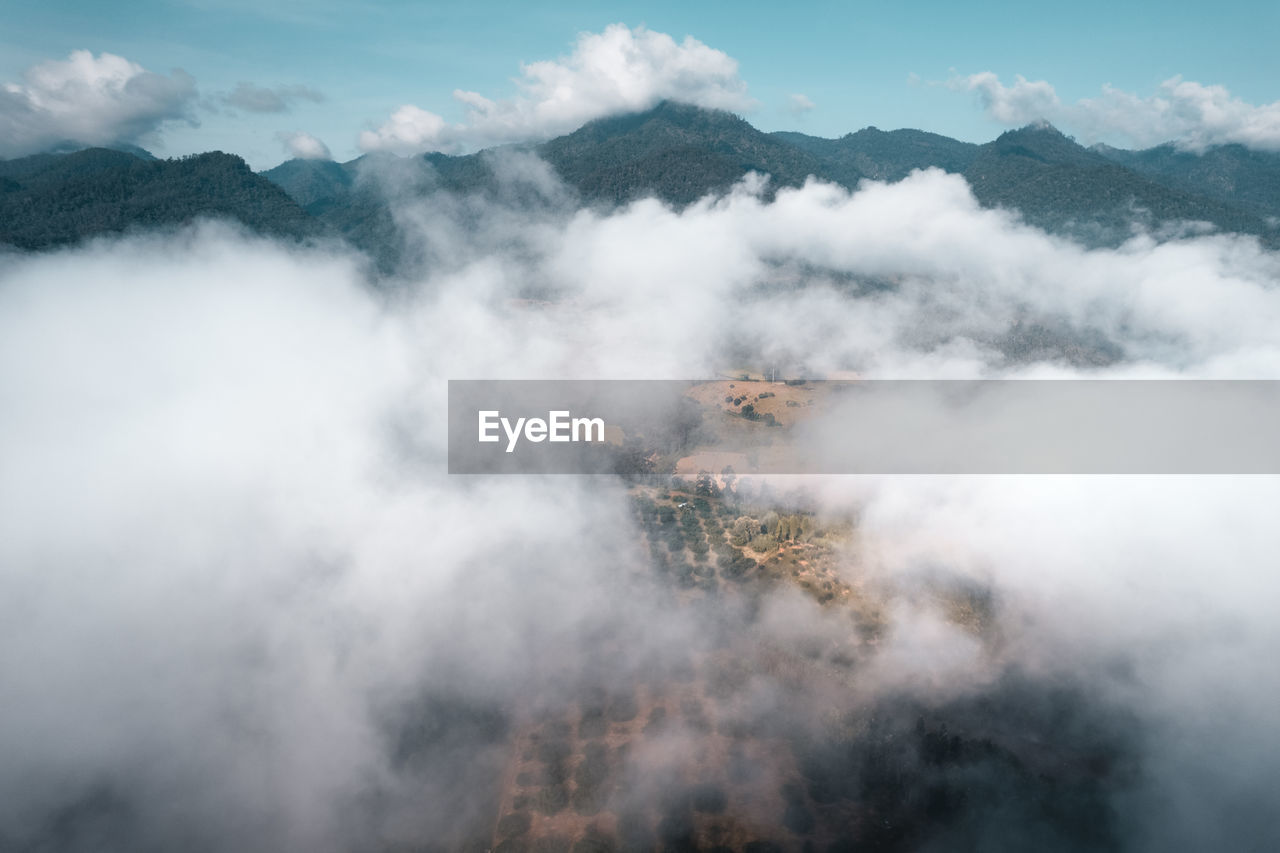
column 674, row 152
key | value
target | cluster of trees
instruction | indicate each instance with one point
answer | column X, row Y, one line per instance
column 748, row 411
column 935, row 779
column 600, row 709
column 707, row 486
column 553, row 796
column 768, row 532
column 593, row 780
column 559, row 783
column 696, row 529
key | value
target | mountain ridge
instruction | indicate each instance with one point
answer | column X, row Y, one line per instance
column 51, row 200
column 674, row 152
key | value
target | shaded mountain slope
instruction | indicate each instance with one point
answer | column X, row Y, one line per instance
column 1229, row 173
column 886, row 155
column 1063, row 187
column 314, row 184
column 678, row 153
column 51, row 200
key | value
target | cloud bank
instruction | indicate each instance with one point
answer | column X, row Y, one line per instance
column 90, row 100
column 621, row 69
column 245, row 609
column 1190, row 114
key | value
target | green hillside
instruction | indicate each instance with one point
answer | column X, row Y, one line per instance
column 52, row 200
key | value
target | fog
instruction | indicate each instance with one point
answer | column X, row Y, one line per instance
column 243, row 607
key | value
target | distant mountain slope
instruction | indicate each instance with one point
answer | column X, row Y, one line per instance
column 1061, row 186
column 71, row 147
column 321, row 185
column 56, row 199
column 1229, row 173
column 885, row 155
column 355, row 200
column 673, row 152
column 313, row 184
column 678, row 153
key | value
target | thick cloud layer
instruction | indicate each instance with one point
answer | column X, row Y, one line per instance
column 907, row 280
column 239, row 591
column 618, row 70
column 1193, row 115
column 89, row 100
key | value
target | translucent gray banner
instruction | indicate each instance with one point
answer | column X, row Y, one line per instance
column 753, row 426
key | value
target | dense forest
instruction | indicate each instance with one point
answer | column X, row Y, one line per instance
column 52, row 200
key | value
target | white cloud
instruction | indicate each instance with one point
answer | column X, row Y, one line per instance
column 90, row 100
column 409, row 130
column 260, row 99
column 799, row 104
column 304, row 146
column 230, row 549
column 1023, row 102
column 1190, row 114
column 618, row 70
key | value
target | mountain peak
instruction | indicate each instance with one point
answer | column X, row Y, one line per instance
column 673, row 114
column 1038, row 128
column 1042, row 141
column 676, row 151
column 672, row 110
column 1043, row 124
column 70, row 146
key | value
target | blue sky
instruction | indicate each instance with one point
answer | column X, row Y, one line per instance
column 854, row 61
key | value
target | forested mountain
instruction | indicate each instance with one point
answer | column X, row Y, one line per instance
column 1064, row 187
column 314, row 184
column 886, row 155
column 50, row 199
column 1229, row 173
column 1092, row 194
column 674, row 152
column 679, row 153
